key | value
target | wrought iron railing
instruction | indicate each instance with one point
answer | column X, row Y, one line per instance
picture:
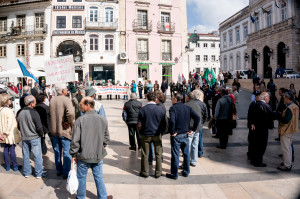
column 166, row 27
column 166, row 56
column 140, row 25
column 29, row 30
column 102, row 22
column 143, row 56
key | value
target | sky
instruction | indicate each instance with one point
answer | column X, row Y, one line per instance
column 206, row 15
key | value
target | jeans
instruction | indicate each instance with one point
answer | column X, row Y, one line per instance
column 125, row 96
column 35, row 147
column 200, row 145
column 141, row 94
column 151, row 152
column 180, row 141
column 193, row 147
column 61, row 147
column 82, row 169
column 9, row 151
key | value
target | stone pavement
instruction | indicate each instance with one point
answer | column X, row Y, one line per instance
column 219, row 174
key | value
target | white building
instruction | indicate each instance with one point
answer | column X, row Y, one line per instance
column 24, row 34
column 205, row 53
column 234, row 34
column 102, row 36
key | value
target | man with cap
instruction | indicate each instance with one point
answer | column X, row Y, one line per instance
column 91, row 92
column 76, row 100
column 62, row 119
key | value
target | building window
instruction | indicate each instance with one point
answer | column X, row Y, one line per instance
column 230, row 38
column 245, row 32
column 225, row 40
column 225, row 63
column 77, row 22
column 20, row 50
column 165, row 21
column 205, row 45
column 197, row 58
column 2, row 51
column 238, row 61
column 94, row 42
column 256, row 24
column 39, row 20
column 142, row 19
column 39, row 48
column 231, row 63
column 213, row 58
column 269, row 18
column 21, row 21
column 61, row 0
column 3, row 24
column 198, row 45
column 93, row 14
column 237, row 31
column 205, row 58
column 213, row 45
column 61, row 22
column 109, row 42
column 283, row 11
column 109, row 15
column 143, row 49
column 77, row 0
column 166, row 50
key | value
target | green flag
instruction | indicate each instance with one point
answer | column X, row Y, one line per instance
column 209, row 76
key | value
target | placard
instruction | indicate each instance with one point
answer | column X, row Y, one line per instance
column 115, row 90
column 60, row 70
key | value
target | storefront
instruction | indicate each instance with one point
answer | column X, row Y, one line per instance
column 167, row 69
column 143, row 71
column 79, row 72
column 102, row 73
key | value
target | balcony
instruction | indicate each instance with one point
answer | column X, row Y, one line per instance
column 143, row 56
column 166, row 56
column 101, row 24
column 165, row 27
column 140, row 26
column 19, row 32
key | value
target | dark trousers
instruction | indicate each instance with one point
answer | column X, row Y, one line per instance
column 260, row 139
column 141, row 94
column 223, row 130
column 9, row 151
column 109, row 97
column 133, row 131
column 250, row 144
column 180, row 141
column 146, row 141
column 208, row 108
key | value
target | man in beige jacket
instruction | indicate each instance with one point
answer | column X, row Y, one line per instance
column 62, row 118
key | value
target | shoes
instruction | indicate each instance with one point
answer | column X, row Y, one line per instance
column 65, row 177
column 217, row 137
column 26, row 176
column 59, row 174
column 193, row 165
column 277, row 139
column 157, row 177
column 44, row 174
column 17, row 168
column 260, row 165
column 110, row 197
column 132, row 148
column 143, row 175
column 280, row 155
column 200, row 156
column 171, row 176
column 184, row 175
column 7, row 168
column 284, row 168
column 219, row 147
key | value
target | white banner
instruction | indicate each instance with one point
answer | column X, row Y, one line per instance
column 60, row 70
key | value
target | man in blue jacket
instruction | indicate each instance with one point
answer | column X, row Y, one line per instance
column 279, row 72
column 180, row 116
column 133, row 87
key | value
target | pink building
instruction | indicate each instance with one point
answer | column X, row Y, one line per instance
column 156, row 36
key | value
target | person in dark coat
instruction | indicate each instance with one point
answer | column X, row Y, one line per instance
column 262, row 121
column 172, row 88
column 207, row 97
column 164, row 87
column 132, row 108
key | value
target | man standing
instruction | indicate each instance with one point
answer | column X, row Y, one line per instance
column 279, row 72
column 156, row 86
column 43, row 86
column 36, row 89
column 172, row 88
column 281, row 106
column 180, row 116
column 99, row 109
column 164, row 87
column 132, row 108
column 62, row 119
column 29, row 123
column 140, row 87
column 288, row 125
column 77, row 99
column 109, row 84
column 133, row 87
column 89, row 140
column 19, row 87
column 260, row 124
column 207, row 97
column 149, row 120
column 223, row 113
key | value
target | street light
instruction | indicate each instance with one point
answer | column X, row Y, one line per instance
column 246, row 57
column 270, row 53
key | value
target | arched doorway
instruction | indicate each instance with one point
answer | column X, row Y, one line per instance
column 254, row 60
column 281, row 59
column 266, row 61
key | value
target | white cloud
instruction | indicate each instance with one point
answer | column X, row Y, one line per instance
column 201, row 29
column 211, row 13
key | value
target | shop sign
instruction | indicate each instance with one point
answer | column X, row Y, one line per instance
column 98, row 68
column 68, row 32
column 142, row 63
column 170, row 64
column 78, row 67
column 68, row 7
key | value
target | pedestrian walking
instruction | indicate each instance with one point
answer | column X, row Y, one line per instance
column 89, row 141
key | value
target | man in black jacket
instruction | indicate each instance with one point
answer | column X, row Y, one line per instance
column 164, row 87
column 180, row 116
column 132, row 108
column 172, row 88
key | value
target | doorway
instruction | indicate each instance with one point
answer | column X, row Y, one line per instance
column 167, row 73
column 281, row 59
column 254, row 60
column 266, row 61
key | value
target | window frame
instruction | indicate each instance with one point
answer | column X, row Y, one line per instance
column 38, row 47
column 20, row 48
column 3, row 24
column 205, row 58
column 213, row 58
column 110, row 43
column 3, row 51
column 196, row 58
column 65, row 22
column 256, row 24
column 76, row 24
column 283, row 12
column 269, row 18
column 41, row 20
column 237, row 35
column 95, row 43
column 205, row 45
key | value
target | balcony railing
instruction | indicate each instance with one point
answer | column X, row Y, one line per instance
column 29, row 30
column 141, row 26
column 166, row 56
column 101, row 23
column 143, row 56
column 166, row 27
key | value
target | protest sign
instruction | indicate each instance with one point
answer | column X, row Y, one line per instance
column 114, row 90
column 60, row 70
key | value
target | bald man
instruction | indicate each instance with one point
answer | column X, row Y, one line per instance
column 90, row 137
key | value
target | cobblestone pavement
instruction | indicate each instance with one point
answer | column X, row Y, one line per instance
column 219, row 174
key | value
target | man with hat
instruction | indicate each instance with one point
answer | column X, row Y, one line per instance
column 91, row 92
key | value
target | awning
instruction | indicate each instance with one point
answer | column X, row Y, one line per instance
column 143, row 63
column 168, row 64
column 16, row 72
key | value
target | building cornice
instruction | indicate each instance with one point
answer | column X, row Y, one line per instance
column 237, row 17
column 224, row 51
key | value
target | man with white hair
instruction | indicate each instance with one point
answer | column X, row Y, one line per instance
column 260, row 124
column 62, row 118
column 29, row 123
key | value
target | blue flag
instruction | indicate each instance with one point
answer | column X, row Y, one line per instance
column 26, row 72
column 252, row 19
